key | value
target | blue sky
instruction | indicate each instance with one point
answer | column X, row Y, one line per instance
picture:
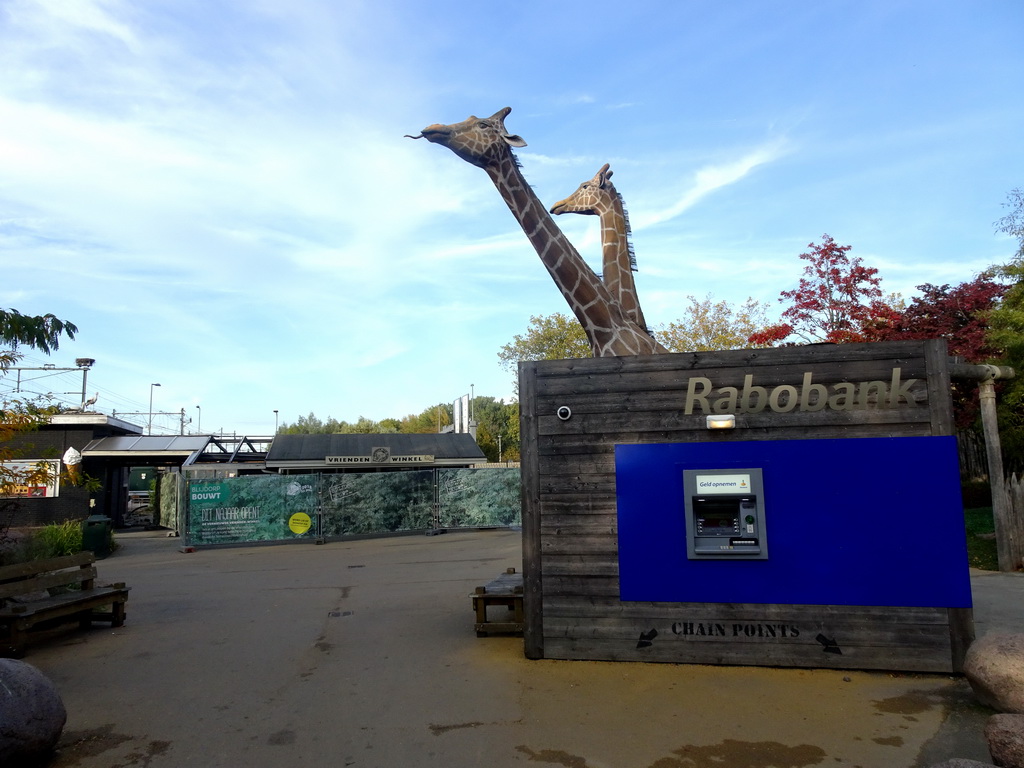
column 220, row 196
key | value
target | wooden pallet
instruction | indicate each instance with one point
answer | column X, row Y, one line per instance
column 506, row 590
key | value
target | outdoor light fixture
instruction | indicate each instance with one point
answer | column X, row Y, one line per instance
column 721, row 421
column 150, row 430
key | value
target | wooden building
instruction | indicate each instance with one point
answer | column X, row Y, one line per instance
column 862, row 558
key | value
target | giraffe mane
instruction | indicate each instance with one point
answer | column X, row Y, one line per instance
column 629, row 232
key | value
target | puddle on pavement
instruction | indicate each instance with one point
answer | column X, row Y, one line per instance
column 750, row 754
column 437, row 730
column 75, row 746
column 910, row 703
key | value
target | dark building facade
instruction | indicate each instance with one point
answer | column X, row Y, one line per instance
column 51, row 442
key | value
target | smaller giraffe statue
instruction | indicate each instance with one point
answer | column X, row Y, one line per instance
column 599, row 197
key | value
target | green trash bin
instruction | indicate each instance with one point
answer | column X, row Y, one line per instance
column 96, row 533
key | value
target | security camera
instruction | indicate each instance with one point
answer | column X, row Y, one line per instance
column 564, row 412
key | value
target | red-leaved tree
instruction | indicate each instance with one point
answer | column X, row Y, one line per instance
column 960, row 315
column 837, row 298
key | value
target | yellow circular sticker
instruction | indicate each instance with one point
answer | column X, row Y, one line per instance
column 299, row 523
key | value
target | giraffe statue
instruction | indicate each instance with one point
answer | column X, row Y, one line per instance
column 598, row 196
column 485, row 143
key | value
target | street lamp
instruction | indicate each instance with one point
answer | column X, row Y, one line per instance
column 84, row 363
column 150, row 432
column 199, row 421
column 275, row 421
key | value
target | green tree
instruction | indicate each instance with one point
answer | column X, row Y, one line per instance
column 709, row 325
column 548, row 337
column 311, row 425
column 1006, row 333
column 18, row 416
column 1012, row 224
column 365, row 426
column 306, row 425
column 497, row 428
column 40, row 332
column 430, row 419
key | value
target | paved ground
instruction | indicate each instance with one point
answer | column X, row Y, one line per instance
column 363, row 654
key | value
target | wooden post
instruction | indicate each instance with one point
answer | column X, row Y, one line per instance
column 1008, row 544
column 1005, row 533
column 533, row 594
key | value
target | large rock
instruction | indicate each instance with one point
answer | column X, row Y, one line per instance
column 1005, row 736
column 962, row 762
column 32, row 714
column 995, row 669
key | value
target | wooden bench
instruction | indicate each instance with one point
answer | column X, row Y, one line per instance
column 43, row 594
column 506, row 590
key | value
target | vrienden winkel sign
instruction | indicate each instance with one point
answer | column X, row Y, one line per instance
column 703, row 397
column 377, row 460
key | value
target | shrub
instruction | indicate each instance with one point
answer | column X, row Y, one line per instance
column 56, row 540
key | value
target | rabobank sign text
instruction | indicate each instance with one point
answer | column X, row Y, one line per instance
column 702, row 396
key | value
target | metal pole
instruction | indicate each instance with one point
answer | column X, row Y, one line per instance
column 150, row 428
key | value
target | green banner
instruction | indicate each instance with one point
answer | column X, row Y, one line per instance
column 282, row 507
column 257, row 508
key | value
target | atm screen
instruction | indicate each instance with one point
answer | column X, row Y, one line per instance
column 718, row 517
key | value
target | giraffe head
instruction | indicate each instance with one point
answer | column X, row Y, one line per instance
column 482, row 141
column 588, row 196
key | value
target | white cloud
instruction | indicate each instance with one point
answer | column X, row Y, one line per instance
column 712, row 178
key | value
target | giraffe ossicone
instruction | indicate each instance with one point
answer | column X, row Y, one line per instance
column 485, row 143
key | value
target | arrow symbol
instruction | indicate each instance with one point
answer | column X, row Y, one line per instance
column 647, row 639
column 829, row 644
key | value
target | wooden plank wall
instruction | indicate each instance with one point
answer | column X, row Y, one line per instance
column 571, row 565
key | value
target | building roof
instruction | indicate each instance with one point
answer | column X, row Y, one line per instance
column 90, row 419
column 146, row 445
column 183, row 450
column 353, row 451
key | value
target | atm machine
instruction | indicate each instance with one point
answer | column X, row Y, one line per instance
column 725, row 514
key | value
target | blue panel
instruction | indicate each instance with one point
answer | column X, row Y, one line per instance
column 871, row 521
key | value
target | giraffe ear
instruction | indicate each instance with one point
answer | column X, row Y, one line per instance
column 510, row 138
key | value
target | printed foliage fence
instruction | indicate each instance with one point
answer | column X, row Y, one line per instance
column 283, row 507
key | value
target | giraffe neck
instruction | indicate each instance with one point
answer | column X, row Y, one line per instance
column 607, row 329
column 618, row 258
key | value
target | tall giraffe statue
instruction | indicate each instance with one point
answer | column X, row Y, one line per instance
column 598, row 196
column 485, row 143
